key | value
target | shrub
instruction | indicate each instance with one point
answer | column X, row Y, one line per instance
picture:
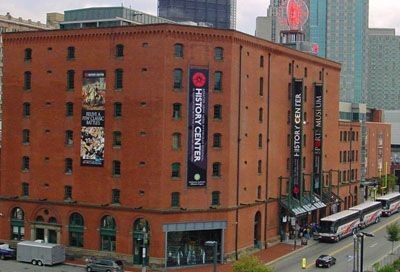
column 250, row 264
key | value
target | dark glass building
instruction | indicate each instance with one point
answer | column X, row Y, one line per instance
column 212, row 13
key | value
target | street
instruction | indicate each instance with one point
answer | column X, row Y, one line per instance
column 14, row 266
column 374, row 249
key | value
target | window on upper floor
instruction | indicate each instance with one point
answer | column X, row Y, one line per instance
column 261, row 87
column 175, row 199
column 115, row 196
column 69, row 137
column 177, row 110
column 67, row 192
column 27, row 80
column 26, row 136
column 260, row 115
column 217, row 140
column 70, row 79
column 259, row 166
column 261, row 61
column 119, row 50
column 28, row 54
column 216, row 169
column 176, row 141
column 26, row 109
column 117, row 109
column 178, row 74
column 260, row 140
column 25, row 189
column 69, row 109
column 116, row 168
column 70, row 53
column 215, row 198
column 25, row 163
column 117, row 138
column 68, row 166
column 218, row 53
column 217, row 112
column 218, row 81
column 176, row 170
column 119, row 74
column 178, row 50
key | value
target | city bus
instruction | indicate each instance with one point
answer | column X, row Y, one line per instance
column 370, row 212
column 390, row 203
column 339, row 225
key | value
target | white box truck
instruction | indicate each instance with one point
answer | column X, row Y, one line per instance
column 40, row 253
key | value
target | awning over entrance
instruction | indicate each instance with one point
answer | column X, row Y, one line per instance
column 309, row 203
column 330, row 198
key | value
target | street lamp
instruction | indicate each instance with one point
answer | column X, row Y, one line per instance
column 214, row 244
column 143, row 235
column 360, row 235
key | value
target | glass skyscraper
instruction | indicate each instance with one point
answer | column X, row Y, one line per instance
column 340, row 30
column 212, row 13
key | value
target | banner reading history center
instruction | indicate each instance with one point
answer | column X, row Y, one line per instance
column 318, row 125
column 197, row 127
column 92, row 122
column 297, row 137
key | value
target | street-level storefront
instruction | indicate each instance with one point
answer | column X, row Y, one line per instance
column 186, row 243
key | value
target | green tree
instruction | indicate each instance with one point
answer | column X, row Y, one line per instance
column 249, row 263
column 393, row 233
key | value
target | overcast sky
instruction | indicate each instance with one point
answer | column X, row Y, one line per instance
column 383, row 13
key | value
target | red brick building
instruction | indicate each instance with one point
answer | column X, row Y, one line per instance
column 98, row 125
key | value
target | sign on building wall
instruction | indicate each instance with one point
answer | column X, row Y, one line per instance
column 197, row 127
column 318, row 135
column 92, row 122
column 297, row 137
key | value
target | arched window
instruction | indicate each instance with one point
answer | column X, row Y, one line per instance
column 17, row 224
column 108, row 233
column 53, row 220
column 76, row 225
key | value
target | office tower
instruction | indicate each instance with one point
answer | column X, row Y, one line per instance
column 212, row 13
column 340, row 29
column 383, row 69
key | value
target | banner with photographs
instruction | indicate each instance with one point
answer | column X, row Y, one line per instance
column 297, row 137
column 197, row 128
column 318, row 125
column 92, row 122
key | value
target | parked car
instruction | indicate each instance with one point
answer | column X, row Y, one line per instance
column 6, row 252
column 105, row 265
column 325, row 261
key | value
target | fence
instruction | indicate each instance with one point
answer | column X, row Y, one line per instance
column 386, row 260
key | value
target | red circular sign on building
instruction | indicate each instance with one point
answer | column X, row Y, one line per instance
column 199, row 79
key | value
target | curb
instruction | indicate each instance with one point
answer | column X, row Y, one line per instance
column 84, row 266
column 290, row 253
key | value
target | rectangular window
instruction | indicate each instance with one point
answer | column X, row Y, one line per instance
column 117, row 109
column 25, row 163
column 68, row 165
column 176, row 141
column 176, row 111
column 178, row 78
column 116, row 170
column 261, row 87
column 67, row 192
column 71, row 53
column 28, row 54
column 117, row 138
column 218, row 53
column 175, row 199
column 178, row 50
column 25, row 136
column 218, row 81
column 176, row 170
column 70, row 79
column 115, row 199
column 26, row 109
column 218, row 112
column 216, row 169
column 69, row 109
column 215, row 198
column 261, row 61
column 119, row 50
column 25, row 189
column 69, row 137
column 119, row 73
column 27, row 80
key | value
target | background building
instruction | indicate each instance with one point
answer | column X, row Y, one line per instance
column 108, row 171
column 383, row 69
column 107, row 17
column 217, row 14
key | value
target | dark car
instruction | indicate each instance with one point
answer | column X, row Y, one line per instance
column 325, row 261
column 105, row 265
column 6, row 252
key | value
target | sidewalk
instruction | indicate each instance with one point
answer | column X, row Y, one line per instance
column 269, row 256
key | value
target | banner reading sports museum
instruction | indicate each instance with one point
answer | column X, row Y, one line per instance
column 197, row 127
column 92, row 122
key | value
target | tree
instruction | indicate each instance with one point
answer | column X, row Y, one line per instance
column 249, row 263
column 393, row 233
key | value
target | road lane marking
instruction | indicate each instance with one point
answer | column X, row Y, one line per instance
column 351, row 244
column 373, row 245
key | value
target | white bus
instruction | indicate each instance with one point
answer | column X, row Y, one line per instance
column 390, row 203
column 370, row 212
column 339, row 225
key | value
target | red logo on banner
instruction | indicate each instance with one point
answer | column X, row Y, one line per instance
column 317, row 143
column 199, row 79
